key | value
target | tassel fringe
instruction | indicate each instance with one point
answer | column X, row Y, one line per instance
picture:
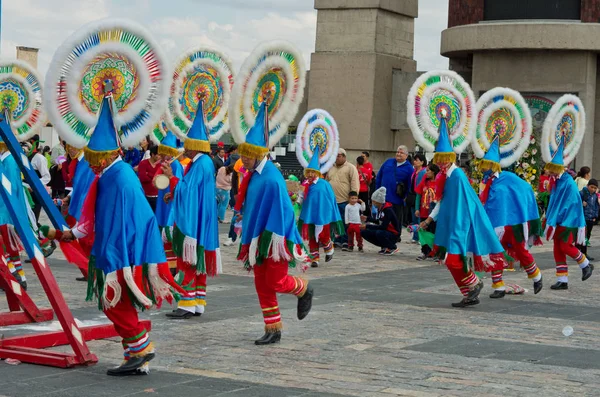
column 168, row 151
column 554, row 168
column 189, row 250
column 95, row 158
column 485, row 164
column 134, row 289
column 444, row 157
column 111, row 281
column 197, row 145
column 253, row 151
column 272, row 328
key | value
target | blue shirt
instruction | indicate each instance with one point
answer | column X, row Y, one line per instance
column 390, row 174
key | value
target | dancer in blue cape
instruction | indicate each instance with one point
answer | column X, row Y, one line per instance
column 270, row 240
column 170, row 153
column 319, row 218
column 512, row 208
column 128, row 267
column 195, row 230
column 462, row 225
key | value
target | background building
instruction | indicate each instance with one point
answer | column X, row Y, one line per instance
column 542, row 48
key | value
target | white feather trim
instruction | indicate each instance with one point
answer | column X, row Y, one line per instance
column 219, row 261
column 139, row 295
column 190, row 254
column 422, row 125
column 581, row 236
column 111, row 281
column 526, row 231
column 252, row 251
column 521, row 136
column 34, row 98
column 500, row 230
column 303, row 134
column 65, row 62
column 161, row 289
column 549, row 131
column 263, row 57
column 278, row 248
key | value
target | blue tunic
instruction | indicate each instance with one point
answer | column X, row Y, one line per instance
column 320, row 207
column 511, row 201
column 164, row 211
column 126, row 230
column 13, row 173
column 565, row 208
column 462, row 225
column 82, row 180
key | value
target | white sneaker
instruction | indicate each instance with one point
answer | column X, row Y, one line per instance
column 229, row 242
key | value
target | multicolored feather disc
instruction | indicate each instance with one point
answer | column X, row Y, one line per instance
column 317, row 129
column 565, row 118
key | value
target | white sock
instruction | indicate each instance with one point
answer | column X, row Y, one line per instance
column 584, row 264
column 563, row 279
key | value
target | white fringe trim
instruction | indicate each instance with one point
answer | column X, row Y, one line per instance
column 581, row 236
column 139, row 295
column 500, row 230
column 190, row 255
column 111, row 281
column 551, row 236
column 278, row 248
column 252, row 251
column 526, row 231
column 164, row 236
column 318, row 231
column 160, row 288
column 219, row 262
column 13, row 237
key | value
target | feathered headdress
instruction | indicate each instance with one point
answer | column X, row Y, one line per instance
column 317, row 141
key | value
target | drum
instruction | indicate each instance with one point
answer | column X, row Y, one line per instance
column 161, row 181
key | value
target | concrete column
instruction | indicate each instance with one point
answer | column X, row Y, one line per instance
column 359, row 44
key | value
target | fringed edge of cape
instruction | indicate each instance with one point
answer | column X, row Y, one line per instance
column 308, row 231
column 575, row 234
column 146, row 285
column 187, row 248
column 479, row 263
column 269, row 245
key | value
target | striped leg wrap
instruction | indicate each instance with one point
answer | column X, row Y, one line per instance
column 315, row 256
column 497, row 282
column 126, row 354
column 16, row 261
column 471, row 280
column 562, row 269
column 272, row 318
column 200, row 298
column 300, row 287
column 328, row 248
column 139, row 345
column 533, row 272
column 188, row 301
column 582, row 261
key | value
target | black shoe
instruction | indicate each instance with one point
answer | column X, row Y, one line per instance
column 348, row 249
column 180, row 314
column 268, row 338
column 587, row 272
column 560, row 285
column 131, row 366
column 474, row 293
column 49, row 250
column 23, row 285
column 360, row 249
column 537, row 286
column 314, row 264
column 305, row 303
column 466, row 302
column 337, row 245
column 497, row 294
column 330, row 257
column 81, row 279
column 590, row 258
column 197, row 314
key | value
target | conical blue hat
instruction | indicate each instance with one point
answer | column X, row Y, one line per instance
column 314, row 162
column 197, row 136
column 559, row 154
column 443, row 144
column 168, row 145
column 256, row 138
column 104, row 141
column 493, row 153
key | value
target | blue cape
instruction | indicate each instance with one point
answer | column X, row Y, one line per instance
column 195, row 211
column 565, row 208
column 82, row 180
column 164, row 213
column 511, row 201
column 13, row 173
column 462, row 224
column 268, row 207
column 127, row 233
column 320, row 207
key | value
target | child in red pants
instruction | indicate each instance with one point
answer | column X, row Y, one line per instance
column 352, row 218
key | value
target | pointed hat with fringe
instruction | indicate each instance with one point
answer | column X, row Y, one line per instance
column 197, row 137
column 443, row 148
column 168, row 146
column 104, row 141
column 557, row 164
column 255, row 145
column 491, row 159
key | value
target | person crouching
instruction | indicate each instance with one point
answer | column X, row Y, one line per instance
column 383, row 230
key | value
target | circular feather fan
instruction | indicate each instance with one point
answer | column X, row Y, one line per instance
column 159, row 131
column 21, row 96
column 275, row 70
column 503, row 112
column 430, row 94
column 200, row 72
column 112, row 49
column 566, row 118
column 317, row 129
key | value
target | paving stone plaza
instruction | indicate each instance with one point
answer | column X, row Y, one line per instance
column 380, row 326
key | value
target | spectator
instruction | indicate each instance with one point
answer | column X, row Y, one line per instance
column 146, row 145
column 241, row 174
column 364, row 178
column 60, row 149
column 224, row 180
column 343, row 178
column 384, row 228
column 146, row 172
column 48, row 155
column 368, row 166
column 57, row 182
column 583, row 177
column 133, row 157
column 40, row 166
column 219, row 159
column 591, row 206
column 232, row 158
column 544, row 182
column 425, row 203
column 395, row 176
column 420, row 166
column 353, row 221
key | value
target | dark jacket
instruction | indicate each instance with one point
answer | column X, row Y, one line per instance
column 390, row 175
column 218, row 163
column 386, row 220
column 590, row 211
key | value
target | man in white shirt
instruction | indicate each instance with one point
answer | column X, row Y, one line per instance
column 40, row 166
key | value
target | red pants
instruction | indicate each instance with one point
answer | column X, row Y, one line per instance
column 124, row 317
column 195, row 287
column 519, row 252
column 324, row 241
column 354, row 231
column 464, row 280
column 562, row 249
column 271, row 278
column 11, row 252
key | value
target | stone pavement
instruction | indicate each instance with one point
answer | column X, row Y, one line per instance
column 380, row 326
